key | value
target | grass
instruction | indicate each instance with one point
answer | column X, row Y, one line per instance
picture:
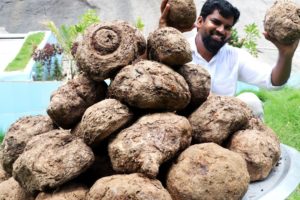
column 24, row 55
column 282, row 114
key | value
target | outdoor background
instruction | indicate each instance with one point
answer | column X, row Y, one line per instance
column 23, row 16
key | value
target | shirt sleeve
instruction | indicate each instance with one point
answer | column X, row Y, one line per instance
column 255, row 72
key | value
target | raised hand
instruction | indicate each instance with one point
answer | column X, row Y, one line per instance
column 285, row 49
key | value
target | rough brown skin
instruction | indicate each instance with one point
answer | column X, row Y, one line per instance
column 11, row 190
column 182, row 14
column 257, row 124
column 217, row 118
column 128, row 187
column 107, row 47
column 198, row 80
column 69, row 102
column 101, row 120
column 282, row 21
column 260, row 149
column 51, row 159
column 67, row 192
column 208, row 171
column 150, row 85
column 19, row 133
column 149, row 142
column 3, row 174
column 168, row 45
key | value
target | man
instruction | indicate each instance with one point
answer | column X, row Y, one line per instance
column 227, row 64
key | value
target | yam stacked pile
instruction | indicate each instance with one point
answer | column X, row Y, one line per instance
column 153, row 133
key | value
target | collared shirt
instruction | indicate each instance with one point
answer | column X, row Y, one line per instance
column 230, row 65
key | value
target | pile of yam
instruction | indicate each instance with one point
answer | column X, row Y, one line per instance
column 154, row 132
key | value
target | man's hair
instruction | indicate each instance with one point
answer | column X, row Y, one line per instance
column 224, row 7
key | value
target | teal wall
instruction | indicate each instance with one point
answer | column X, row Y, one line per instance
column 24, row 98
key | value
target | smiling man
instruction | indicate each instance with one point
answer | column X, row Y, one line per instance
column 227, row 64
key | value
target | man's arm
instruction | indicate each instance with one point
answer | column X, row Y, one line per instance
column 282, row 70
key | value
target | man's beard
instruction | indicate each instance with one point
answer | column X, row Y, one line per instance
column 212, row 45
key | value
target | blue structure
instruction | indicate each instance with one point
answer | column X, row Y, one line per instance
column 24, row 98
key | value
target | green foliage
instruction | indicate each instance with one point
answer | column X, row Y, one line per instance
column 39, row 71
column 24, row 55
column 57, row 74
column 235, row 40
column 66, row 35
column 249, row 41
column 87, row 19
column 139, row 24
column 47, row 57
column 1, row 135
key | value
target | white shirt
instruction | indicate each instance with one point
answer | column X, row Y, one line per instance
column 230, row 65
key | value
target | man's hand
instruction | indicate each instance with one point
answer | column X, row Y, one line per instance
column 284, row 49
column 164, row 9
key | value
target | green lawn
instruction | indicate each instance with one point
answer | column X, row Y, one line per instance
column 24, row 55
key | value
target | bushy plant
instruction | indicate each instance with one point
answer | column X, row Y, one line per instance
column 139, row 24
column 57, row 74
column 44, row 58
column 249, row 41
column 235, row 39
column 39, row 69
column 88, row 18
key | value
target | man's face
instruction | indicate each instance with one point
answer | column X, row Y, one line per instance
column 215, row 31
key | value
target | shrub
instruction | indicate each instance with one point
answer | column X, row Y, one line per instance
column 1, row 135
column 249, row 41
column 139, row 24
column 47, row 62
